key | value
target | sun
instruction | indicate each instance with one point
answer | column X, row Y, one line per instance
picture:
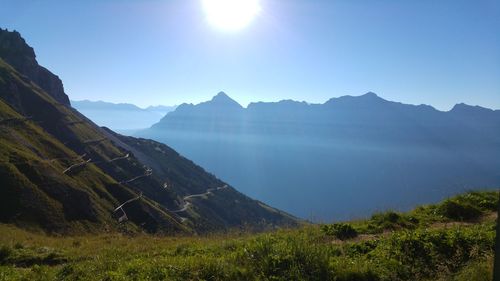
column 231, row 15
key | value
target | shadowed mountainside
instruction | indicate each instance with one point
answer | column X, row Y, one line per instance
column 15, row 51
column 62, row 173
column 314, row 160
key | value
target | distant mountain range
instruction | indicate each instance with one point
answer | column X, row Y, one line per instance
column 60, row 172
column 121, row 116
column 345, row 158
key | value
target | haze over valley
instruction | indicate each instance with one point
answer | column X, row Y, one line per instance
column 249, row 140
column 123, row 118
column 315, row 160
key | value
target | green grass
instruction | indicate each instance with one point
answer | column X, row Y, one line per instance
column 424, row 244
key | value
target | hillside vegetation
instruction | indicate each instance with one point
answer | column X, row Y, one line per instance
column 61, row 173
column 452, row 240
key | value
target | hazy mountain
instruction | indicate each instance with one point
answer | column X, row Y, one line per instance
column 345, row 158
column 61, row 172
column 121, row 116
column 161, row 110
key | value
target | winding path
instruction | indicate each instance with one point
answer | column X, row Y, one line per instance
column 77, row 165
column 89, row 161
column 147, row 173
column 184, row 208
column 124, row 217
column 186, row 205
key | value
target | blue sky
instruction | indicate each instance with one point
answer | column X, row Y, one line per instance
column 437, row 52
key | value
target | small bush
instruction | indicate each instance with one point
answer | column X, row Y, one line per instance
column 342, row 231
column 5, row 252
column 422, row 254
column 485, row 201
column 459, row 211
column 392, row 220
column 272, row 257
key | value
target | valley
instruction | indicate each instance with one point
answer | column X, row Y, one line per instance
column 313, row 160
column 249, row 140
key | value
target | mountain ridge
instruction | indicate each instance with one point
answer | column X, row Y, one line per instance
column 347, row 144
column 62, row 173
column 16, row 52
column 368, row 109
column 222, row 97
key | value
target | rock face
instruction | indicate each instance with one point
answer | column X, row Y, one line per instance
column 15, row 51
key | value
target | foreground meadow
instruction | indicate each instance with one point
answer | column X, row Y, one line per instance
column 452, row 240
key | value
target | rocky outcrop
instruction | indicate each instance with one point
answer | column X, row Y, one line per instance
column 15, row 51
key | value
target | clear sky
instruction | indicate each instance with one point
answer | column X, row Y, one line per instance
column 147, row 52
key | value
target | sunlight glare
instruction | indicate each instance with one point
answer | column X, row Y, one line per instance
column 231, row 15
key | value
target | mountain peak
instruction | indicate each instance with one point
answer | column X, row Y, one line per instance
column 370, row 95
column 221, row 96
column 223, row 99
column 15, row 51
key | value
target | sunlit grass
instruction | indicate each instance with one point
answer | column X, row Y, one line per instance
column 421, row 245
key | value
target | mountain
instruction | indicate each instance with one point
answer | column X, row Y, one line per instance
column 161, row 110
column 62, row 173
column 219, row 114
column 15, row 52
column 122, row 116
column 342, row 159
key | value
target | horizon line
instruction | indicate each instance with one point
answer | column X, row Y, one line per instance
column 282, row 100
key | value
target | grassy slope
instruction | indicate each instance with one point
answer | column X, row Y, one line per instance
column 34, row 191
column 452, row 240
column 58, row 132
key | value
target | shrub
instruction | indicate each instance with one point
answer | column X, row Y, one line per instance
column 5, row 252
column 273, row 257
column 392, row 220
column 342, row 231
column 421, row 254
column 462, row 211
column 486, row 201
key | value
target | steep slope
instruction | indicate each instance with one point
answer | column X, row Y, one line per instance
column 15, row 51
column 35, row 191
column 72, row 174
column 219, row 206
